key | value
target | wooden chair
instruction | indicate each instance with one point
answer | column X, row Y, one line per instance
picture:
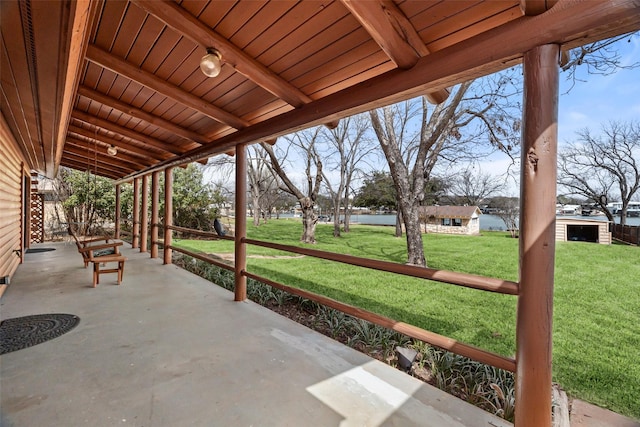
column 89, row 249
column 99, row 255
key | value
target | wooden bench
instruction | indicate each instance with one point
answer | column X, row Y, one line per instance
column 97, row 261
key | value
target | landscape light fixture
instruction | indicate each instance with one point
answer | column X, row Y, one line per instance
column 112, row 150
column 210, row 63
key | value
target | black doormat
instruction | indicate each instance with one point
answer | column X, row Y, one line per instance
column 38, row 250
column 27, row 331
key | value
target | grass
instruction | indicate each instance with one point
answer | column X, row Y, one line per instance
column 596, row 304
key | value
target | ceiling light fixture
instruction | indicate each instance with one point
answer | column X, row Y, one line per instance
column 210, row 63
column 112, row 150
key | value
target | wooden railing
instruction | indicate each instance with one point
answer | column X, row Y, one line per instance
column 442, row 276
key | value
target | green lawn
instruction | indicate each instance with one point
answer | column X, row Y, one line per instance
column 596, row 308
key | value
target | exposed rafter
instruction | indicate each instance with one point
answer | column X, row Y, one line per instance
column 189, row 26
column 73, row 152
column 536, row 7
column 145, row 78
column 79, row 163
column 147, row 154
column 194, row 138
column 395, row 35
column 135, row 162
column 124, row 131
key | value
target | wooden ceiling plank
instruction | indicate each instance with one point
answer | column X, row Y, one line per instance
column 184, row 23
column 569, row 23
column 194, row 138
column 145, row 78
column 121, row 130
column 77, row 165
column 90, row 134
column 395, row 35
column 137, row 162
column 102, row 159
column 94, row 163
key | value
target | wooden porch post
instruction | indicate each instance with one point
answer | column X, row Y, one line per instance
column 168, row 213
column 135, row 240
column 537, row 237
column 117, row 218
column 144, row 214
column 154, row 213
column 241, row 223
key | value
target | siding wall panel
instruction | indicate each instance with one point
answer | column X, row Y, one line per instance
column 11, row 206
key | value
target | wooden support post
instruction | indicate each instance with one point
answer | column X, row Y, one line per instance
column 537, row 237
column 241, row 223
column 135, row 239
column 155, row 183
column 144, row 214
column 117, row 216
column 168, row 213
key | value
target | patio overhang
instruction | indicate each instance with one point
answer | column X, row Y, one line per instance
column 80, row 77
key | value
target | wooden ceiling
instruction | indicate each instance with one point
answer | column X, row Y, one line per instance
column 80, row 77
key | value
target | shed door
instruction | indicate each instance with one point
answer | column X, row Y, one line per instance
column 582, row 233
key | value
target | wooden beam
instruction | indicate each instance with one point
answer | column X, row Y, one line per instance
column 77, row 165
column 124, row 131
column 144, row 214
column 118, row 213
column 135, row 238
column 83, row 12
column 147, row 79
column 394, row 33
column 145, row 154
column 189, row 26
column 135, row 162
column 168, row 214
column 101, row 159
column 538, row 171
column 536, row 7
column 155, row 194
column 194, row 138
column 570, row 23
column 240, row 248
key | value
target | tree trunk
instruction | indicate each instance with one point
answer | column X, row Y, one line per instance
column 255, row 200
column 415, row 248
column 309, row 221
column 347, row 212
column 336, row 221
column 399, row 222
column 623, row 216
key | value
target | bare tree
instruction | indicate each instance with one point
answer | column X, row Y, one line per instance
column 470, row 186
column 262, row 183
column 601, row 57
column 477, row 113
column 304, row 142
column 508, row 210
column 348, row 147
column 603, row 167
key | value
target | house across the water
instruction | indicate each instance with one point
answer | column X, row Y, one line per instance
column 450, row 219
column 583, row 230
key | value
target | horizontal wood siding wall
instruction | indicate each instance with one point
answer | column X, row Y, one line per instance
column 11, row 177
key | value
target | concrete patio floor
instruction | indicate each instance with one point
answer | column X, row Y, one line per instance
column 167, row 348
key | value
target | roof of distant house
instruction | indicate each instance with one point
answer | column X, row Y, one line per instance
column 450, row 211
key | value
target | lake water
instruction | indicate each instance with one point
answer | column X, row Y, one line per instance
column 487, row 222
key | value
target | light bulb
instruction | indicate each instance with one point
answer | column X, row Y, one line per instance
column 112, row 150
column 210, row 63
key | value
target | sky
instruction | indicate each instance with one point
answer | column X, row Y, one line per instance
column 589, row 104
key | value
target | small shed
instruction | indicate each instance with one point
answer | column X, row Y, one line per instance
column 583, row 230
column 451, row 219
